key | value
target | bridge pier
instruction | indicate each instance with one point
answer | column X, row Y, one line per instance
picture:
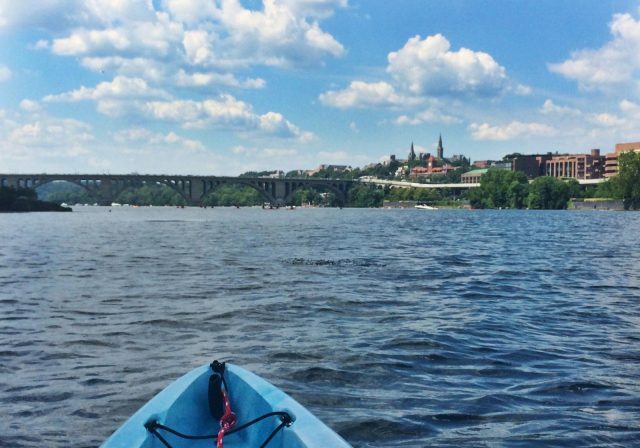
column 197, row 192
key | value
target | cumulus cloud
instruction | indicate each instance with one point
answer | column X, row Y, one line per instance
column 428, row 66
column 136, row 67
column 198, row 32
column 202, row 79
column 424, row 70
column 274, row 35
column 147, row 137
column 30, row 105
column 365, row 94
column 224, row 111
column 120, row 87
column 431, row 115
column 550, row 108
column 614, row 65
column 153, row 38
column 279, row 152
column 515, row 129
column 44, row 137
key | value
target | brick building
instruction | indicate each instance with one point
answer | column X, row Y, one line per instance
column 611, row 161
column 576, row 166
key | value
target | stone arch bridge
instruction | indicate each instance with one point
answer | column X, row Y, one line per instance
column 105, row 188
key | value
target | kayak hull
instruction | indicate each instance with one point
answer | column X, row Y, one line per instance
column 184, row 406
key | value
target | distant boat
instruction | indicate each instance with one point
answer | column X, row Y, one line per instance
column 425, row 207
column 115, row 204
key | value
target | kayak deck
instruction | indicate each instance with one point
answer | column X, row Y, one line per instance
column 184, row 407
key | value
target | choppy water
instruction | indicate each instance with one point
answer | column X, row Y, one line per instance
column 396, row 327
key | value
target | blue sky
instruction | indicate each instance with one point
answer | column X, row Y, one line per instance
column 226, row 86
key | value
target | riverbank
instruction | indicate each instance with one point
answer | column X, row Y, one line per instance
column 597, row 204
column 14, row 200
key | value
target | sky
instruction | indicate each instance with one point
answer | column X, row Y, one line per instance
column 221, row 87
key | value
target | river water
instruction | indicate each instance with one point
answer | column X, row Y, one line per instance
column 403, row 328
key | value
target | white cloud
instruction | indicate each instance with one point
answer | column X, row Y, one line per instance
column 197, row 46
column 151, row 38
column 274, row 36
column 630, row 108
column 608, row 120
column 147, row 137
column 5, row 73
column 515, row 129
column 135, row 67
column 50, row 131
column 154, row 40
column 275, row 124
column 225, row 112
column 614, row 65
column 354, row 127
column 365, row 94
column 199, row 79
column 550, row 108
column 44, row 137
column 314, row 8
column 120, row 87
column 279, row 152
column 429, row 67
column 30, row 106
column 522, row 90
column 191, row 11
column 431, row 115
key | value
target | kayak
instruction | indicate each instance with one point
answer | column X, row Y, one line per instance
column 220, row 405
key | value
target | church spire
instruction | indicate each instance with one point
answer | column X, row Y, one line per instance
column 440, row 151
column 412, row 154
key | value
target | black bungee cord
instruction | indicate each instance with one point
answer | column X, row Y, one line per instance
column 153, row 425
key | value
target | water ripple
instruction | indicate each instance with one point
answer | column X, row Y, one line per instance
column 397, row 328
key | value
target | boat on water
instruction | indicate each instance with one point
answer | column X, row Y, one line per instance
column 223, row 405
column 425, row 207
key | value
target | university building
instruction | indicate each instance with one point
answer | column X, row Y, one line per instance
column 611, row 162
column 576, row 166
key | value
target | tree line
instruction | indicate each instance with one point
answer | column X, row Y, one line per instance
column 498, row 189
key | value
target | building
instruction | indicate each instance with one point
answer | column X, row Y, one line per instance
column 440, row 150
column 432, row 168
column 480, row 164
column 473, row 176
column 576, row 166
column 334, row 168
column 531, row 165
column 611, row 159
column 412, row 154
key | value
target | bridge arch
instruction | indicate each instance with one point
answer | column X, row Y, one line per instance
column 341, row 189
column 92, row 189
column 263, row 188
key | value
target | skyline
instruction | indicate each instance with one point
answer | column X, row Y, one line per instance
column 224, row 87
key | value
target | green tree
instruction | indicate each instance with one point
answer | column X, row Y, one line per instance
column 366, row 196
column 233, row 195
column 627, row 182
column 500, row 189
column 548, row 193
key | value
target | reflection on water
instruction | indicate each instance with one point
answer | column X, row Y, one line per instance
column 396, row 327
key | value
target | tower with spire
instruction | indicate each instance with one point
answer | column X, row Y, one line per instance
column 412, row 154
column 440, row 150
